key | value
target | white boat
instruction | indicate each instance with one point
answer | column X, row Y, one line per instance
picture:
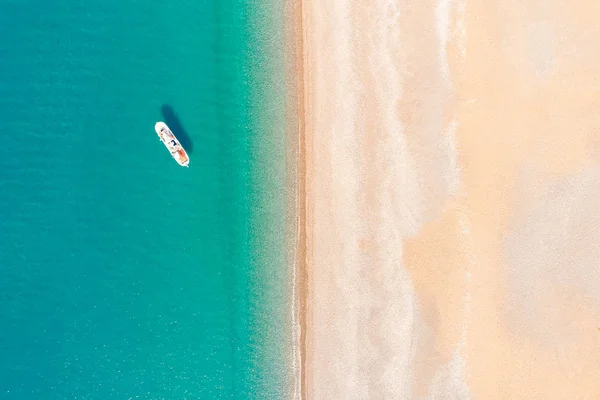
column 172, row 144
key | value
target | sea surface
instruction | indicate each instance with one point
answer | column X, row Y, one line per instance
column 123, row 275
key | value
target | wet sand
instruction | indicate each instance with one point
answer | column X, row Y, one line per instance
column 452, row 200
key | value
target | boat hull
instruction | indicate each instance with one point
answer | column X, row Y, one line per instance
column 172, row 144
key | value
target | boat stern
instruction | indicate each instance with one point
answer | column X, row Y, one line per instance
column 182, row 158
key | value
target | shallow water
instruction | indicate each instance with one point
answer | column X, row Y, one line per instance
column 123, row 274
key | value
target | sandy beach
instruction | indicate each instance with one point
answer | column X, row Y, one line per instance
column 450, row 210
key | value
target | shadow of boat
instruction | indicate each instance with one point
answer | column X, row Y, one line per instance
column 171, row 119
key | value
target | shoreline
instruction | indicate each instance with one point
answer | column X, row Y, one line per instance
column 301, row 266
column 297, row 218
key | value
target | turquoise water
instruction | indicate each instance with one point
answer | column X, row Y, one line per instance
column 124, row 275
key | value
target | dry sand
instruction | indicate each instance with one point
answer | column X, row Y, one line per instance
column 452, row 199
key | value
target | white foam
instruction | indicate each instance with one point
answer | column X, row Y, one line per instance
column 449, row 11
